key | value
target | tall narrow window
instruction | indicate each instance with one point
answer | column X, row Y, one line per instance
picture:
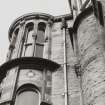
column 28, row 39
column 16, row 33
column 27, row 95
column 14, row 43
column 40, row 39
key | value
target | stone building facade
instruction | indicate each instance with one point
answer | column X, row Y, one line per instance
column 56, row 60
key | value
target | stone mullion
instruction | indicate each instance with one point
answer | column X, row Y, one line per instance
column 34, row 36
column 21, row 38
column 47, row 55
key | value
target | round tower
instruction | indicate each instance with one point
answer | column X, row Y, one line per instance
column 24, row 76
column 90, row 47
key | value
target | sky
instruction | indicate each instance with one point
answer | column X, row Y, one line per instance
column 11, row 9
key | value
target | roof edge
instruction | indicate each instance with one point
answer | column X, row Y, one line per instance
column 36, row 15
column 82, row 16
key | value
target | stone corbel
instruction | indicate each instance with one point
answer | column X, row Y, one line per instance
column 77, row 69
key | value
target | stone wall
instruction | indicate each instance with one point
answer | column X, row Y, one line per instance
column 91, row 49
column 57, row 55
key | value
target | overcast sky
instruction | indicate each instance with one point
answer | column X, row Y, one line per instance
column 11, row 9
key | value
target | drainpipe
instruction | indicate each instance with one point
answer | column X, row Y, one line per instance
column 64, row 26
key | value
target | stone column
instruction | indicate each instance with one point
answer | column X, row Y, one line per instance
column 47, row 54
column 21, row 38
column 47, row 44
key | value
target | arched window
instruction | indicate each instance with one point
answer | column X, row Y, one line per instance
column 14, row 39
column 40, row 39
column 16, row 36
column 27, row 95
column 28, row 39
column 13, row 44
